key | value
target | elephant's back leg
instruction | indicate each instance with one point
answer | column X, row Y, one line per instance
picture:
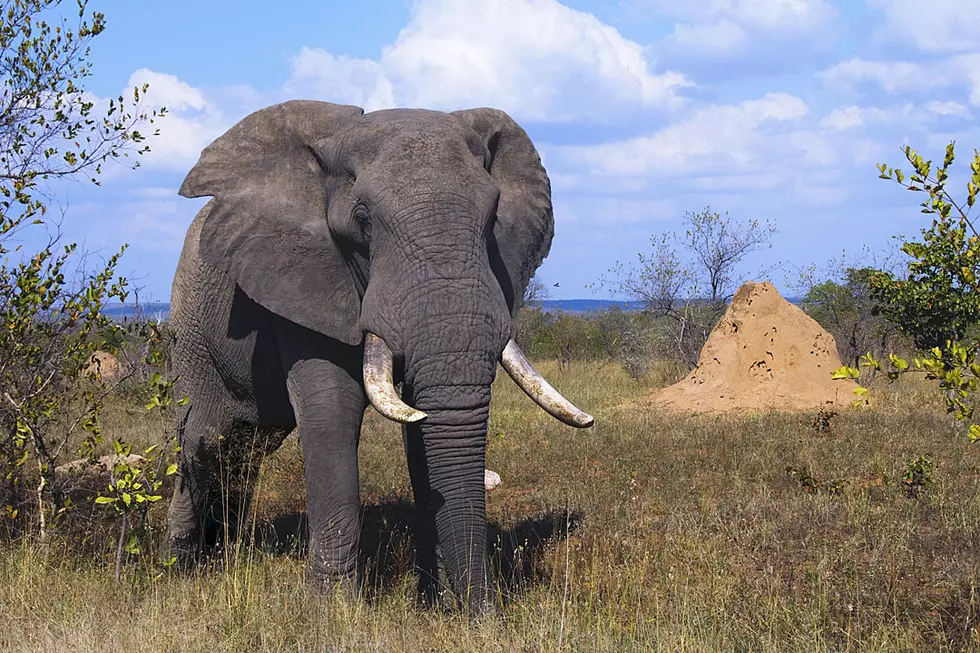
column 237, row 407
column 226, row 352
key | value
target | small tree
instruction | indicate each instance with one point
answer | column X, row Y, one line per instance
column 690, row 277
column 847, row 311
column 939, row 299
column 535, row 293
column 52, row 323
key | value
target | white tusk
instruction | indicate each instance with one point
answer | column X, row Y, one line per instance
column 380, row 386
column 491, row 479
column 534, row 385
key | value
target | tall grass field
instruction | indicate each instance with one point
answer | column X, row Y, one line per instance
column 650, row 532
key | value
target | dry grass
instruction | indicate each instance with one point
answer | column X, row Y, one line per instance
column 687, row 534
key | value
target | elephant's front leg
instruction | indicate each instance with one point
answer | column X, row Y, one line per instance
column 329, row 404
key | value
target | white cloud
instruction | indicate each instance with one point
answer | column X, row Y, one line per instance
column 146, row 218
column 908, row 115
column 707, row 28
column 956, row 72
column 768, row 155
column 764, row 14
column 851, row 117
column 193, row 120
column 942, row 26
column 153, row 192
column 714, row 139
column 362, row 82
column 162, row 222
column 948, row 109
column 179, row 96
column 544, row 62
column 889, row 76
column 613, row 211
column 844, row 118
column 968, row 65
column 719, row 37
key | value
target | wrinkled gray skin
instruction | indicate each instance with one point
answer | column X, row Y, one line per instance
column 419, row 226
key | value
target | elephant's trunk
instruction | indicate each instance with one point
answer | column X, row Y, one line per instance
column 456, row 397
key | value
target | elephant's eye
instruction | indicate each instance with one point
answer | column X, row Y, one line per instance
column 362, row 217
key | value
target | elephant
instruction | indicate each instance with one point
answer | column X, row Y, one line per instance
column 343, row 255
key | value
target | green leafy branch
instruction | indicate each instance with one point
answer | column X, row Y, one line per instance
column 133, row 488
column 938, row 300
column 955, row 368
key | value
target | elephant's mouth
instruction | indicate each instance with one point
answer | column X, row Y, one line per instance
column 380, row 387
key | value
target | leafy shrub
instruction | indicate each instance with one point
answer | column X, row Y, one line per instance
column 51, row 397
column 847, row 311
column 938, row 301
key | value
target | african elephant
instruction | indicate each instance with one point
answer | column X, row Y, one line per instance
column 342, row 253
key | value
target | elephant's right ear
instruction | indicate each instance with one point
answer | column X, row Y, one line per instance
column 268, row 224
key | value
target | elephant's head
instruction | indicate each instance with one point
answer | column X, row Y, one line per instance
column 415, row 232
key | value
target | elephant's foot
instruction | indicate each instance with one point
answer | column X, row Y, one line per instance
column 431, row 592
column 478, row 600
column 345, row 587
column 435, row 592
column 184, row 551
column 332, row 570
column 478, row 604
column 488, row 609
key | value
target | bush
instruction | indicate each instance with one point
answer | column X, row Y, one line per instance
column 52, row 396
column 634, row 339
column 938, row 301
column 560, row 336
column 847, row 311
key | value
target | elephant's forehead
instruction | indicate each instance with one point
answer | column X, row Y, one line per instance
column 396, row 119
column 411, row 134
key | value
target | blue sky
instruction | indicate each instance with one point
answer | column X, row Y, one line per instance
column 642, row 109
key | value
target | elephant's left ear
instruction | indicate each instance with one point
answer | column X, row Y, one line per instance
column 525, row 221
column 268, row 224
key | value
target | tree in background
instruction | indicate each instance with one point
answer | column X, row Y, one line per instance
column 689, row 277
column 52, row 319
column 847, row 311
column 938, row 300
column 535, row 293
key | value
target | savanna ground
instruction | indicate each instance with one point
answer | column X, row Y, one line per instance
column 759, row 533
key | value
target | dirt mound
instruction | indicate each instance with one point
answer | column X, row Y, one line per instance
column 765, row 353
column 105, row 362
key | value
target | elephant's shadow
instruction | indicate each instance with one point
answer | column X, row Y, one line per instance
column 387, row 549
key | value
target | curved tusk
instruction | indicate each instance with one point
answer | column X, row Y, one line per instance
column 380, row 386
column 532, row 383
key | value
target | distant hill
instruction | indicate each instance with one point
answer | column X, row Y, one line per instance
column 155, row 310
column 591, row 305
column 587, row 305
column 161, row 310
